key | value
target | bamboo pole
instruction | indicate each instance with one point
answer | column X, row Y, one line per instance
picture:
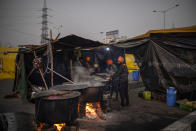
column 41, row 73
column 57, row 36
column 51, row 58
column 43, row 79
column 30, row 73
column 71, row 68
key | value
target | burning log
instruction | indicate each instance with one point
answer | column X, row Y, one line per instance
column 90, row 111
column 93, row 111
column 100, row 114
column 59, row 126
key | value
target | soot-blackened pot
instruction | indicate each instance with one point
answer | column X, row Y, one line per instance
column 57, row 108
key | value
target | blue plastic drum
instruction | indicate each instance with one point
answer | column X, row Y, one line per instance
column 171, row 97
column 135, row 75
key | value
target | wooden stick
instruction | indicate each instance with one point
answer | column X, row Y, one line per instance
column 34, row 54
column 51, row 58
column 29, row 76
column 43, row 79
column 71, row 68
column 57, row 36
column 30, row 84
column 30, row 73
column 41, row 73
column 50, row 35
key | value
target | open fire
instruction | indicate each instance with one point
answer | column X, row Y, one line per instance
column 57, row 127
column 93, row 111
column 90, row 111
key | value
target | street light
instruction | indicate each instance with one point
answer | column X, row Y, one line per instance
column 164, row 12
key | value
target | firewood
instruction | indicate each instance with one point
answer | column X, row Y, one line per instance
column 100, row 114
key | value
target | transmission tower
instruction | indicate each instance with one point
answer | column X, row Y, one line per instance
column 44, row 28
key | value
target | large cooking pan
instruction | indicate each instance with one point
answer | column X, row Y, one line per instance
column 92, row 94
column 71, row 87
column 89, row 93
column 57, row 108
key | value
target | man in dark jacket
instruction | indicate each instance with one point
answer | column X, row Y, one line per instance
column 112, row 69
column 122, row 73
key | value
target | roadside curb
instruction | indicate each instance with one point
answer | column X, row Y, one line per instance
column 187, row 123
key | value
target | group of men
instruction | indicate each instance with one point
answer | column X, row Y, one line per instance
column 118, row 74
column 119, row 80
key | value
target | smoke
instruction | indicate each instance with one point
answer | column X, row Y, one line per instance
column 81, row 75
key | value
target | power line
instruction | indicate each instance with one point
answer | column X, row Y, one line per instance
column 18, row 31
column 44, row 23
column 17, row 16
column 19, row 8
column 17, row 23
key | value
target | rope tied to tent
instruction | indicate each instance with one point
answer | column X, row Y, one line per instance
column 61, row 76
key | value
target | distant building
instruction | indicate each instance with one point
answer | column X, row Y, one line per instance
column 121, row 38
column 113, row 36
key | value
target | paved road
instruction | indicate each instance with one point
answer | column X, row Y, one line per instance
column 12, row 104
column 141, row 115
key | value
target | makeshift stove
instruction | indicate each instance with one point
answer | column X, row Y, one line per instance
column 91, row 111
column 91, row 104
column 58, row 127
column 91, row 97
column 57, row 110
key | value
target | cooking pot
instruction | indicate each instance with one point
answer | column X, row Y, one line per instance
column 57, row 108
column 89, row 93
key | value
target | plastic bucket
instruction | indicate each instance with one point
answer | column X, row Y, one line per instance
column 147, row 95
column 135, row 75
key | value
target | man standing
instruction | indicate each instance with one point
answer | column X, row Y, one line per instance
column 112, row 69
column 123, row 80
column 87, row 63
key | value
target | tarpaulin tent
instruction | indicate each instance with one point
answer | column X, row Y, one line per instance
column 7, row 63
column 166, row 58
column 63, row 57
column 101, row 55
column 130, row 62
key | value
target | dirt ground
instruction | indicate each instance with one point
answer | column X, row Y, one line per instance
column 12, row 104
column 141, row 115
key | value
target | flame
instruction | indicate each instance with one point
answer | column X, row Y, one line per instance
column 98, row 105
column 91, row 110
column 40, row 126
column 59, row 126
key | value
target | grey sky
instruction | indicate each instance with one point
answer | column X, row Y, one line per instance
column 20, row 19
